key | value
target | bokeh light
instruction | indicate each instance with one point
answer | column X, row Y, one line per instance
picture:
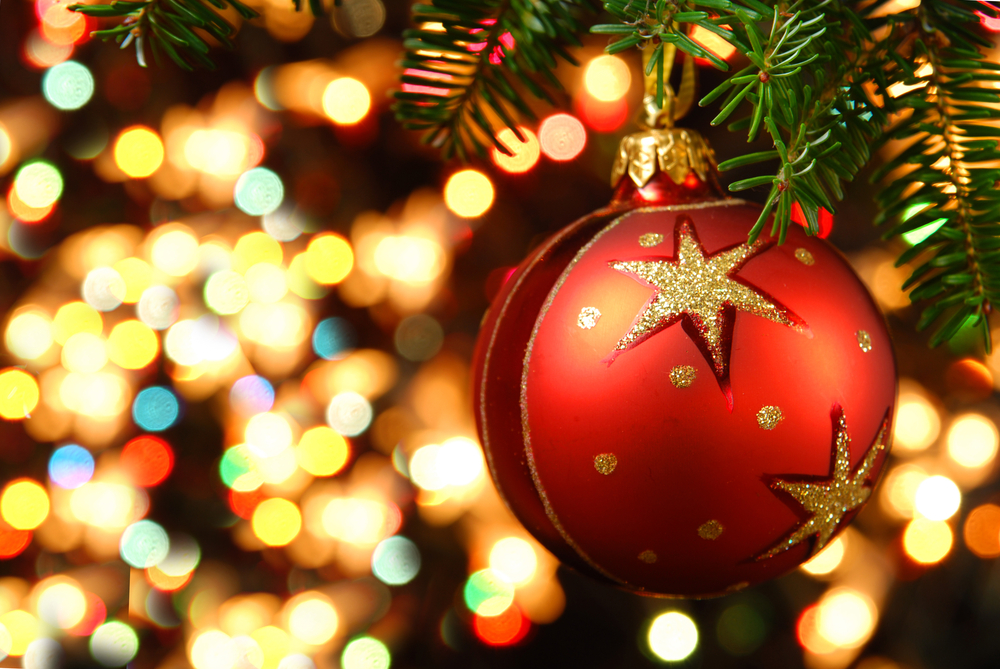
column 346, row 101
column 68, row 85
column 29, row 335
column 488, row 593
column 13, row 542
column 419, row 337
column 138, row 152
column 468, row 193
column 562, row 137
column 414, row 260
column 284, row 224
column 18, row 394
column 175, row 252
column 322, row 451
column 828, row 559
column 155, row 409
column 144, row 544
column 22, row 628
column 258, row 192
column 71, row 466
column 132, row 345
column 672, row 636
column 334, row 338
column 917, row 423
column 973, row 440
column 226, row 292
column 43, row 653
column 927, row 541
column 396, row 561
column 147, row 460
column 982, row 531
column 266, row 283
column 349, row 413
column 358, row 521
column 254, row 248
column 182, row 557
column 75, row 317
column 607, row 78
column 103, row 289
column 276, row 521
column 328, row 259
column 24, row 504
column 365, row 653
column 268, row 434
column 526, row 153
column 741, row 629
column 845, row 618
column 211, row 649
column 38, row 184
column 937, row 498
column 158, row 307
column 114, row 644
column 137, row 275
column 514, row 559
column 85, row 353
column 251, row 395
column 62, row 605
column 93, row 617
column 313, row 620
column 505, row 629
column 457, row 462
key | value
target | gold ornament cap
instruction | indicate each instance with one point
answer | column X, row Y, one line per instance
column 674, row 151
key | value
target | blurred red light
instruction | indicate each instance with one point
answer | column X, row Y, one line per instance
column 13, row 542
column 94, row 617
column 602, row 116
column 244, row 503
column 505, row 629
column 147, row 460
column 825, row 220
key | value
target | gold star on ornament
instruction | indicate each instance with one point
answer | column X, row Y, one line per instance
column 827, row 502
column 702, row 292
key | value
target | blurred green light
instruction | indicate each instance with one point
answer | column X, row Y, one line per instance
column 38, row 184
column 914, row 237
column 235, row 463
column 259, row 191
column 365, row 653
column 144, row 544
column 741, row 629
column 396, row 561
column 68, row 85
column 114, row 644
column 487, row 593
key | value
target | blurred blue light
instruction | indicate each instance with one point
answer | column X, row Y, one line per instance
column 71, row 466
column 155, row 409
column 333, row 338
column 251, row 395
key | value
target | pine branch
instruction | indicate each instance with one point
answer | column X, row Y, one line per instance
column 461, row 66
column 948, row 119
column 169, row 27
column 803, row 87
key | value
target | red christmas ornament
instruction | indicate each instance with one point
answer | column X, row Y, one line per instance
column 671, row 409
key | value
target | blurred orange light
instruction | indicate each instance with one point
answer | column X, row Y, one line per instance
column 165, row 582
column 93, row 618
column 243, row 502
column 927, row 541
column 61, row 26
column 982, row 531
column 713, row 43
column 526, row 153
column 147, row 460
column 603, row 116
column 808, row 635
column 607, row 78
column 22, row 212
column 13, row 542
column 562, row 137
column 505, row 629
column 42, row 53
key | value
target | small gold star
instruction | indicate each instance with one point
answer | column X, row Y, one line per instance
column 702, row 291
column 827, row 502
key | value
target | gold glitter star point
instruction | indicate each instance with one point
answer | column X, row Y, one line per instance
column 827, row 502
column 702, row 291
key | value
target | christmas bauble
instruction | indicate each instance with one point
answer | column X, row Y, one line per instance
column 673, row 410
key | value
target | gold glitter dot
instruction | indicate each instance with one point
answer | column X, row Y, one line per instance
column 650, row 239
column 682, row 376
column 804, row 257
column 736, row 587
column 711, row 530
column 605, row 463
column 768, row 417
column 649, row 557
column 588, row 317
column 864, row 340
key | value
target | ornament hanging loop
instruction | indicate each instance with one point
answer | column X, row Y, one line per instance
column 657, row 115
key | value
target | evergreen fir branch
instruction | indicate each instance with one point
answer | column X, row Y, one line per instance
column 943, row 183
column 170, row 26
column 463, row 62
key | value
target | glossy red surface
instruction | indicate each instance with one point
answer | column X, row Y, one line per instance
column 683, row 457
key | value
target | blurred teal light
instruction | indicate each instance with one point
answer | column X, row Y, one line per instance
column 259, row 191
column 68, row 86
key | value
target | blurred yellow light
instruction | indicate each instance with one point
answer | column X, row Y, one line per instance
column 917, row 423
column 24, row 504
column 253, row 248
column 226, row 292
column 356, row 521
column 346, row 101
column 314, row 620
column 845, row 617
column 927, row 541
column 298, row 279
column 212, row 649
column 273, row 642
column 460, row 461
column 268, row 434
column 138, row 276
column 425, row 470
column 138, row 152
column 937, row 498
column 276, row 521
column 277, row 469
column 329, row 259
column 526, row 153
column 100, row 395
column 104, row 505
column 18, row 394
column 973, row 440
column 73, row 318
column 175, row 252
column 218, row 152
column 673, row 636
column 85, row 353
column 411, row 259
column 468, row 193
column 322, row 451
column 29, row 335
column 180, row 345
column 23, row 629
column 607, row 78
column 827, row 559
column 714, row 43
column 266, row 283
column 62, row 605
column 132, row 345
column 280, row 325
column 514, row 559
column 900, row 488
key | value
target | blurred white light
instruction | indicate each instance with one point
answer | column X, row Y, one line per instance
column 845, row 618
column 937, row 498
column 103, row 289
column 158, row 307
column 972, row 440
column 349, row 414
column 673, row 636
